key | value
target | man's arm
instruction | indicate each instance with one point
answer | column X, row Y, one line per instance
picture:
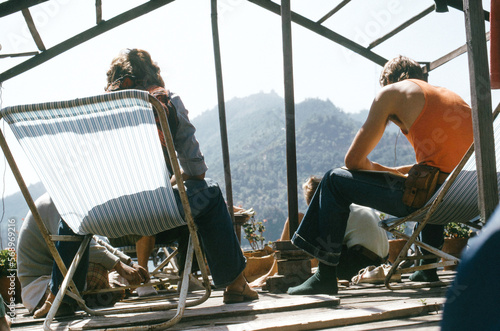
column 383, row 107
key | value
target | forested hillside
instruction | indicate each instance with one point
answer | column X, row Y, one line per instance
column 256, row 132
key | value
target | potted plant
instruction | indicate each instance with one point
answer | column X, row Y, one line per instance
column 456, row 236
column 260, row 259
column 9, row 283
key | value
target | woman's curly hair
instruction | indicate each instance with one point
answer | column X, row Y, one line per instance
column 137, row 63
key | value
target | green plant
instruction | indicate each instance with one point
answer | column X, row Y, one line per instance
column 7, row 262
column 457, row 230
column 254, row 233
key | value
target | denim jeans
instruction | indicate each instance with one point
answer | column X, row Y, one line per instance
column 321, row 232
column 67, row 250
column 215, row 230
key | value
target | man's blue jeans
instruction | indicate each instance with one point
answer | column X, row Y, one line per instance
column 322, row 230
column 215, row 230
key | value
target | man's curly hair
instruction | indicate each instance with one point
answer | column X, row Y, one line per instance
column 400, row 68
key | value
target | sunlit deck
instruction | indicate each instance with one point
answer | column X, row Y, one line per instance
column 358, row 307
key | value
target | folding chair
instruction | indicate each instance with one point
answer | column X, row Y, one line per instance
column 101, row 161
column 455, row 201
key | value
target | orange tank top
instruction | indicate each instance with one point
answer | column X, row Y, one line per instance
column 442, row 132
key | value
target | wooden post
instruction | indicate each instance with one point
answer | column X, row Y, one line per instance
column 222, row 117
column 481, row 107
column 291, row 157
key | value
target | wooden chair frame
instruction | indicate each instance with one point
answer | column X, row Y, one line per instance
column 68, row 287
column 428, row 209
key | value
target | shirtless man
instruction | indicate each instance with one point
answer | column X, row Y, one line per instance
column 438, row 124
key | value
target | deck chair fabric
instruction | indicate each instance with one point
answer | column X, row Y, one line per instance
column 96, row 160
column 459, row 202
column 102, row 163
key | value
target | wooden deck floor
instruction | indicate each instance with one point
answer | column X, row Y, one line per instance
column 360, row 307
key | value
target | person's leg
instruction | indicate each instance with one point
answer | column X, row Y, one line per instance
column 433, row 235
column 321, row 233
column 216, row 232
column 67, row 250
column 144, row 247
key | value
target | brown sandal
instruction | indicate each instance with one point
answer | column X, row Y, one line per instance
column 246, row 295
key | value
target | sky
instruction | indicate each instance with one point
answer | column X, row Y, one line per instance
column 179, row 38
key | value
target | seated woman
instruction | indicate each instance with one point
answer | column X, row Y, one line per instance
column 365, row 243
column 134, row 69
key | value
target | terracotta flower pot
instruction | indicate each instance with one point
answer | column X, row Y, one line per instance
column 395, row 247
column 258, row 263
column 10, row 287
column 454, row 246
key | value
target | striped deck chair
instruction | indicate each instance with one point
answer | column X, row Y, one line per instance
column 101, row 161
column 455, row 201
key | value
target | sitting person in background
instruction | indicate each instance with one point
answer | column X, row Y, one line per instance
column 35, row 263
column 365, row 243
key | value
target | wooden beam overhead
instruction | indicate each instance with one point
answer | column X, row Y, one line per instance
column 18, row 54
column 83, row 37
column 333, row 11
column 323, row 31
column 401, row 27
column 98, row 11
column 451, row 55
column 33, row 30
column 13, row 6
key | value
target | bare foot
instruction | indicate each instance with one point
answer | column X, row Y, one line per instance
column 44, row 310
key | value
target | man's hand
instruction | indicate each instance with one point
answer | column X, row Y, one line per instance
column 135, row 274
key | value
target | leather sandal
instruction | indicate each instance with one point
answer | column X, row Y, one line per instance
column 64, row 310
column 246, row 295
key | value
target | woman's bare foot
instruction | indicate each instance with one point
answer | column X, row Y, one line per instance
column 44, row 310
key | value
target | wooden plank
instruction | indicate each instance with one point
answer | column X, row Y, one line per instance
column 451, row 55
column 33, row 30
column 325, row 32
column 222, row 117
column 401, row 27
column 333, row 11
column 482, row 119
column 82, row 37
column 18, row 54
column 291, row 150
column 208, row 311
column 13, row 6
column 305, row 320
column 98, row 11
